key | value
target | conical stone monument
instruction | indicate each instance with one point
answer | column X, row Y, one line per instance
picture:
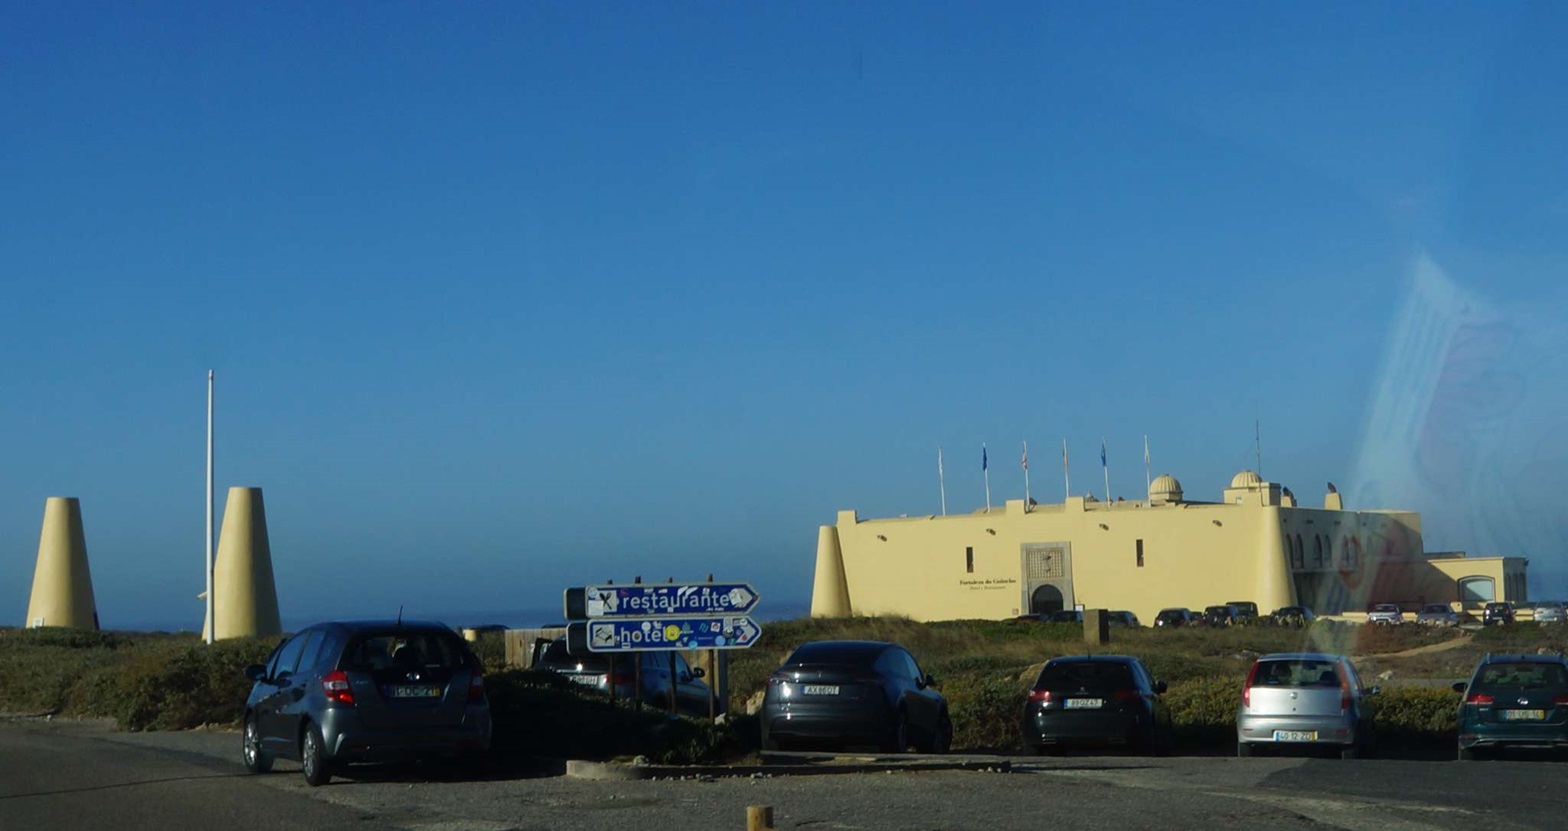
column 62, row 584
column 245, row 599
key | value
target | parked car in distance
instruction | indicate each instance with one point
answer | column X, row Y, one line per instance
column 1500, row 612
column 1066, row 616
column 1514, row 701
column 594, row 670
column 1550, row 611
column 1121, row 617
column 854, row 693
column 1295, row 616
column 1222, row 615
column 1385, row 613
column 1096, row 700
column 365, row 691
column 1437, row 614
column 1174, row 617
column 1246, row 608
column 1304, row 699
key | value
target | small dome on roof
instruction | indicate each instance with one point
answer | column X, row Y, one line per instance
column 1165, row 488
column 1246, row 479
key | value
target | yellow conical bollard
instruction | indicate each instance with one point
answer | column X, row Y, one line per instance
column 62, row 584
column 245, row 599
column 830, row 588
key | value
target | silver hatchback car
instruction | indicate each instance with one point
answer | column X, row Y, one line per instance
column 1304, row 699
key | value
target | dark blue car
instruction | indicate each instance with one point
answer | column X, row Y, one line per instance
column 1514, row 701
column 854, row 693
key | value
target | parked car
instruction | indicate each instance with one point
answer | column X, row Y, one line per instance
column 1067, row 616
column 1293, row 616
column 1550, row 611
column 593, row 670
column 1096, row 700
column 1437, row 614
column 848, row 693
column 1385, row 613
column 1246, row 608
column 1499, row 612
column 1304, row 699
column 343, row 692
column 1514, row 701
column 1222, row 615
column 1125, row 618
column 1174, row 618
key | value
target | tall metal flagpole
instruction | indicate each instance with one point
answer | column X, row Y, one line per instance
column 1107, row 468
column 1148, row 475
column 985, row 469
column 1025, row 463
column 1257, row 439
column 210, row 627
column 1067, row 479
column 941, row 478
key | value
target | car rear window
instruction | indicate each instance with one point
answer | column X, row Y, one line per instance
column 1434, row 607
column 406, row 650
column 1303, row 672
column 556, row 655
column 1522, row 676
column 839, row 654
column 1087, row 674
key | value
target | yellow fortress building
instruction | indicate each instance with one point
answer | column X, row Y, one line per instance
column 1256, row 543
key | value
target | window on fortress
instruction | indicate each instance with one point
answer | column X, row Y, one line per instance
column 1140, row 553
column 1299, row 559
column 969, row 560
column 1317, row 552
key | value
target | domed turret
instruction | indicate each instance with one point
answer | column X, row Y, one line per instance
column 1246, row 479
column 1165, row 489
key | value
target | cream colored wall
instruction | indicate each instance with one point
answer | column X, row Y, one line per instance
column 1194, row 555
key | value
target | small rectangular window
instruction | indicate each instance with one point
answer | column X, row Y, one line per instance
column 1140, row 553
column 969, row 560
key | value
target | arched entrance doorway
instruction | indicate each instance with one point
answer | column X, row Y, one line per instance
column 1045, row 600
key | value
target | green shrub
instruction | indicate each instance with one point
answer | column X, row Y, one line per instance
column 986, row 710
column 1415, row 713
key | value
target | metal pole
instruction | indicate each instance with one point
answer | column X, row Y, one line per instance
column 712, row 671
column 1026, row 475
column 985, row 470
column 211, row 627
column 941, row 478
column 674, row 680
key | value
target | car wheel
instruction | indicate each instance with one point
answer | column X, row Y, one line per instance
column 313, row 758
column 942, row 742
column 1243, row 749
column 1349, row 751
column 256, row 759
column 1467, row 754
column 899, row 741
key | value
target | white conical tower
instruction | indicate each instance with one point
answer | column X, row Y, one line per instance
column 245, row 599
column 62, row 584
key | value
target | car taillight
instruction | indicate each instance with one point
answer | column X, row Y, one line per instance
column 1042, row 696
column 335, row 685
column 1127, row 695
column 618, row 678
column 1344, row 690
column 1246, row 689
column 476, row 689
column 1478, row 698
column 1559, row 700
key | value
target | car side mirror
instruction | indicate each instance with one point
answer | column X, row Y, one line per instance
column 1160, row 687
column 1374, row 691
column 928, row 681
column 1459, row 686
column 698, row 672
column 256, row 672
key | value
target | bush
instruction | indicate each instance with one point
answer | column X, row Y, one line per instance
column 1415, row 713
column 1203, row 710
column 194, row 686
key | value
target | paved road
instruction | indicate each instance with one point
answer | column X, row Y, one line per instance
column 84, row 777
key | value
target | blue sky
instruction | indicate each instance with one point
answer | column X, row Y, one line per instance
column 505, row 299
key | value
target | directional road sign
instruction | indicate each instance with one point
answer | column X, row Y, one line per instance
column 658, row 633
column 640, row 600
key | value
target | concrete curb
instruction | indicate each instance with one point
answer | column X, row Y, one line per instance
column 623, row 772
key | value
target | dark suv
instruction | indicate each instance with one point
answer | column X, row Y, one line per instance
column 1499, row 612
column 1222, row 615
column 1514, row 701
column 365, row 691
column 596, row 671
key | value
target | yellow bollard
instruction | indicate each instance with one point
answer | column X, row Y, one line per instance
column 759, row 818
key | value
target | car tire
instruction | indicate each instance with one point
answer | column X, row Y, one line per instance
column 313, row 760
column 942, row 742
column 898, row 742
column 1467, row 754
column 256, row 759
column 1243, row 750
column 1350, row 751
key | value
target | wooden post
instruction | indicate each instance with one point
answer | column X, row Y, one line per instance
column 759, row 818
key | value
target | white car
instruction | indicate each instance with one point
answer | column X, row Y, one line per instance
column 1385, row 613
column 1550, row 613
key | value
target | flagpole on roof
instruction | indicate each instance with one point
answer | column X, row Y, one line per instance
column 1067, row 479
column 1025, row 463
column 941, row 478
column 985, row 470
column 1107, row 468
column 1148, row 475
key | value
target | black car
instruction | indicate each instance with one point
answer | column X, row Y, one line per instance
column 365, row 691
column 1175, row 617
column 1067, row 616
column 1499, row 612
column 854, row 693
column 1246, row 609
column 1222, row 615
column 1293, row 616
column 1096, row 700
column 594, row 670
column 1122, row 617
column 1514, row 701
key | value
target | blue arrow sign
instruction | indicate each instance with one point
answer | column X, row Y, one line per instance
column 644, row 600
column 651, row 634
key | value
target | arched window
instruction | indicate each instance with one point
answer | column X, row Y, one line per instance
column 1299, row 558
column 1317, row 551
column 1477, row 590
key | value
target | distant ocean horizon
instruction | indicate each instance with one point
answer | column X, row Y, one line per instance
column 512, row 619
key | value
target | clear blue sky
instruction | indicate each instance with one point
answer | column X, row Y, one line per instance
column 513, row 297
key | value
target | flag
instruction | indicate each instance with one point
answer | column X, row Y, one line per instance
column 1025, row 460
column 1102, row 452
column 1145, row 451
column 939, row 471
column 984, row 463
column 1064, row 454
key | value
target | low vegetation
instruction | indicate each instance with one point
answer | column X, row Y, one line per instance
column 167, row 682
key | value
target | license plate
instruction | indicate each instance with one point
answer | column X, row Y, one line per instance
column 1295, row 735
column 585, row 680
column 1524, row 715
column 819, row 689
column 1083, row 703
column 415, row 692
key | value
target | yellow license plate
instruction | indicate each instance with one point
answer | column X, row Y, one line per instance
column 1524, row 715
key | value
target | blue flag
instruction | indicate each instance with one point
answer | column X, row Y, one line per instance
column 1102, row 452
column 984, row 462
